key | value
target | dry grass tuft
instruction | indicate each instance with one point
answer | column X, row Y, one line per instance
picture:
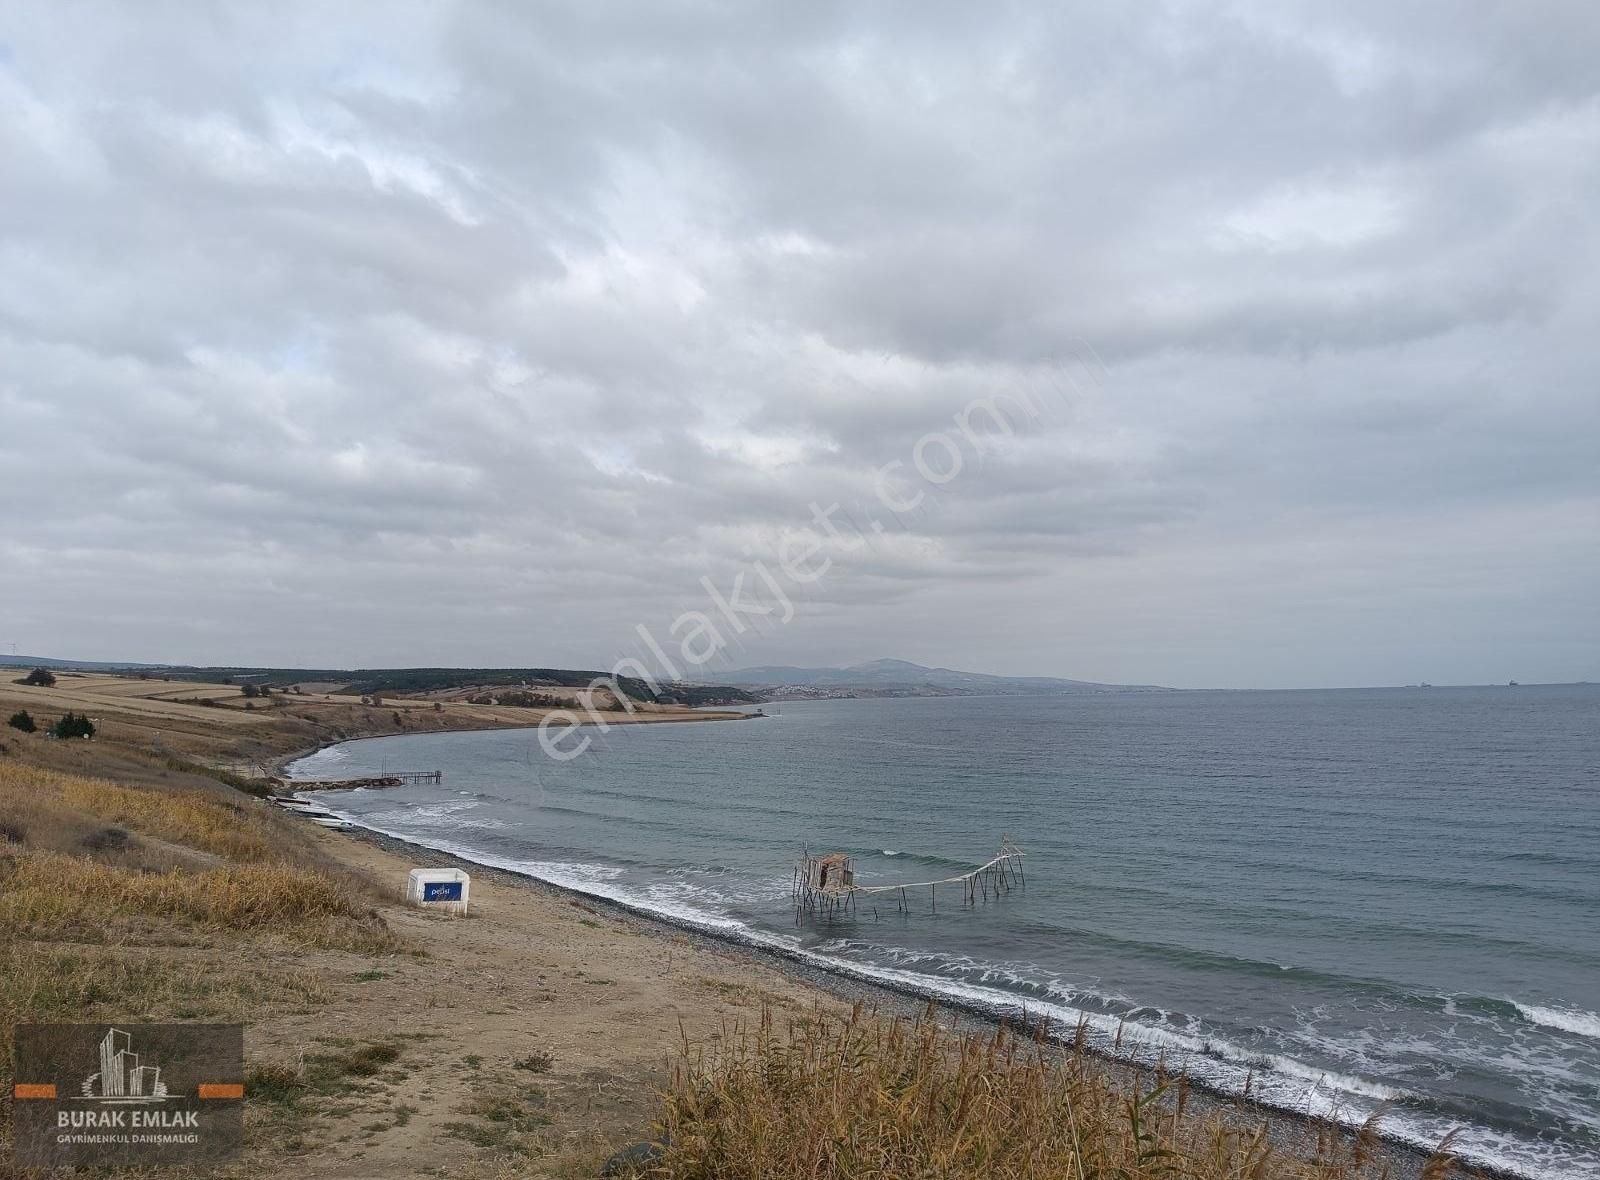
column 162, row 897
column 48, row 895
column 52, row 809
column 47, row 983
column 905, row 1100
column 185, row 817
column 84, row 856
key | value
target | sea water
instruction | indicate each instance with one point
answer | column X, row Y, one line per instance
column 1344, row 899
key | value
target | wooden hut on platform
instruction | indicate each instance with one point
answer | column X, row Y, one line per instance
column 834, row 871
column 825, row 884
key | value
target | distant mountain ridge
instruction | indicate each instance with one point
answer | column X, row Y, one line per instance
column 903, row 678
column 11, row 661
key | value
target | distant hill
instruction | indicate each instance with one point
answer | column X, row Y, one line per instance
column 78, row 665
column 363, row 681
column 903, row 678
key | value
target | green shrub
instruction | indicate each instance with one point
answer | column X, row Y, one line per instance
column 73, row 726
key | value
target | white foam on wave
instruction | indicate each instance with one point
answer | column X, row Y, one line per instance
column 718, row 891
column 1554, row 1077
column 436, row 810
column 1027, row 978
column 1321, row 1078
column 1270, row 1079
column 1571, row 1020
column 449, row 815
column 579, row 871
column 311, row 764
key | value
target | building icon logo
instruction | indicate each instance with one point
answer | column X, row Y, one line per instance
column 122, row 1078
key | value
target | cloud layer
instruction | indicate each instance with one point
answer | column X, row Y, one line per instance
column 468, row 334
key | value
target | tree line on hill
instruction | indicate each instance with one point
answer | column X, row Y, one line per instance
column 257, row 683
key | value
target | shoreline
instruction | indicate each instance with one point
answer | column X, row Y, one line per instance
column 280, row 763
column 1291, row 1132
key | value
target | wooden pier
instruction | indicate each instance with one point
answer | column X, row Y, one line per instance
column 825, row 885
column 398, row 778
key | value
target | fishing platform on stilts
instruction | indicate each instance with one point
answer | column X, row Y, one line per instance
column 826, row 885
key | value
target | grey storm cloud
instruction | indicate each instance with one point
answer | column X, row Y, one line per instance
column 476, row 333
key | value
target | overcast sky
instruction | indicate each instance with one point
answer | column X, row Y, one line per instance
column 336, row 335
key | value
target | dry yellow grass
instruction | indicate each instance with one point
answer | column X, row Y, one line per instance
column 45, row 983
column 43, row 800
column 79, row 857
column 897, row 1100
column 47, row 895
column 209, row 881
column 104, row 694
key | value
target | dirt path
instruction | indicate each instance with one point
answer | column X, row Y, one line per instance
column 529, row 974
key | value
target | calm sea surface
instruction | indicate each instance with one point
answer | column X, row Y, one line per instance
column 1352, row 898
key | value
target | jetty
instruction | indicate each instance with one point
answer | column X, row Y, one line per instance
column 826, row 885
column 398, row 778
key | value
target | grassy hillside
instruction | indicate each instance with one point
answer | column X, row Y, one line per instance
column 169, row 900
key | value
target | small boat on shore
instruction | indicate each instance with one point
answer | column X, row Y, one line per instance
column 320, row 816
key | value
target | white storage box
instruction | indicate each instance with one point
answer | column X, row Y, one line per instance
column 438, row 889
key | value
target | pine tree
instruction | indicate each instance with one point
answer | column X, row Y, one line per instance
column 72, row 726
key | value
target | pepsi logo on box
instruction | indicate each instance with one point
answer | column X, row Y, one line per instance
column 444, row 889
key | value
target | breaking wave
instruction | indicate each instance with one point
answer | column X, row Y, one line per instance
column 1583, row 1024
